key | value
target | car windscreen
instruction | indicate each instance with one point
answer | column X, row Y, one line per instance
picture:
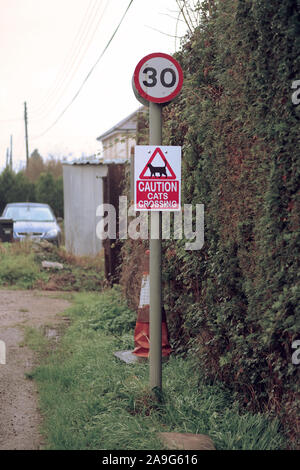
column 29, row 213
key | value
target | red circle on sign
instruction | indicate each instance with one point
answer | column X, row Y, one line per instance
column 155, row 99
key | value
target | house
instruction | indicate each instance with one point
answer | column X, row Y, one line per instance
column 94, row 181
column 119, row 141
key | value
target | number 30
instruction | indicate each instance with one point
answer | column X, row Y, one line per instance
column 153, row 78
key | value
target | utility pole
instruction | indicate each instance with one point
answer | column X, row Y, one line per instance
column 26, row 134
column 11, row 153
column 7, row 157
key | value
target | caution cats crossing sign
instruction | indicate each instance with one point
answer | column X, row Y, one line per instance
column 156, row 180
column 157, row 171
column 164, row 170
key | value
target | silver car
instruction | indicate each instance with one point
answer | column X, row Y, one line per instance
column 33, row 220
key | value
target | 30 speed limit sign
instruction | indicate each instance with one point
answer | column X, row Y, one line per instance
column 158, row 78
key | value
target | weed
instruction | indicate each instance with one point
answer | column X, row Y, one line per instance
column 34, row 339
column 18, row 269
column 109, row 312
column 107, row 404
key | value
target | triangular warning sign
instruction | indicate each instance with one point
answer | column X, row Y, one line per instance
column 155, row 171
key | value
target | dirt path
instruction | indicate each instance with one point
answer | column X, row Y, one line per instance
column 19, row 415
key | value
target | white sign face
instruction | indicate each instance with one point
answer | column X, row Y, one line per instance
column 158, row 78
column 157, row 178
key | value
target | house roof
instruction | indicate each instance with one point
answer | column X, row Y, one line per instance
column 96, row 161
column 126, row 125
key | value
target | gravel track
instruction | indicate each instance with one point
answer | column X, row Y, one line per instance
column 20, row 420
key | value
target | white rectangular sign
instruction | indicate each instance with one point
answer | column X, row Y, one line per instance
column 157, row 178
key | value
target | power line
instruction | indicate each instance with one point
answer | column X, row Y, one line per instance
column 76, row 46
column 89, row 74
column 69, row 80
column 73, row 53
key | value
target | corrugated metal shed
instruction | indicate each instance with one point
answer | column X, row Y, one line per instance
column 97, row 161
column 89, row 182
column 83, row 192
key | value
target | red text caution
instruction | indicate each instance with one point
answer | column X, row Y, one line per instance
column 157, row 195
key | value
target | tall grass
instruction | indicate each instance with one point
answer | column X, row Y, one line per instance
column 17, row 266
column 91, row 400
column 21, row 267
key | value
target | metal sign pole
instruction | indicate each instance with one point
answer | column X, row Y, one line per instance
column 157, row 80
column 155, row 138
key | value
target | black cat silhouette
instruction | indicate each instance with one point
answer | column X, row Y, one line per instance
column 157, row 169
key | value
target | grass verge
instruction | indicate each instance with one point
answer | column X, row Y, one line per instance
column 91, row 400
column 21, row 268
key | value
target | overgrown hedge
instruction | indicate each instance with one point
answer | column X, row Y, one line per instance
column 236, row 303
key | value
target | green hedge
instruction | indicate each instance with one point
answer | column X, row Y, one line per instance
column 236, row 303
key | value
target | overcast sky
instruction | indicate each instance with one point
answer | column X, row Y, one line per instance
column 48, row 47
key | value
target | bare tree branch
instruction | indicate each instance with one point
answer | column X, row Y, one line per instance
column 183, row 14
column 162, row 32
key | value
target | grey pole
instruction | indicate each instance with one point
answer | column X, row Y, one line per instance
column 26, row 134
column 155, row 138
column 11, row 153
